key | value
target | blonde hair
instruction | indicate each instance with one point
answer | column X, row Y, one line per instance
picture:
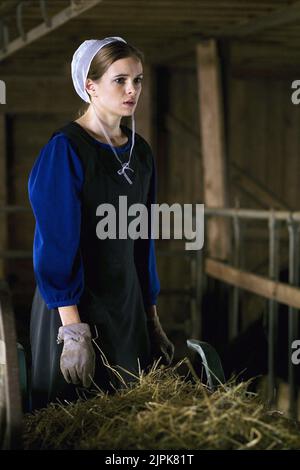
column 105, row 57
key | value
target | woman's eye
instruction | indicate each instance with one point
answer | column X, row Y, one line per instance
column 122, row 80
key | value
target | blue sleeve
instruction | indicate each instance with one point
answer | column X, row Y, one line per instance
column 54, row 189
column 144, row 252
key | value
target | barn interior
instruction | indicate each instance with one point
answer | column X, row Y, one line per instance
column 220, row 111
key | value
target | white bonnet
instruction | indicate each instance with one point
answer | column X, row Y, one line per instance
column 82, row 59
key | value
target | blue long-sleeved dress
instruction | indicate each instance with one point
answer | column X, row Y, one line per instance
column 112, row 282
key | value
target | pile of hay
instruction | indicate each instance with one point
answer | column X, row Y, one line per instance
column 163, row 410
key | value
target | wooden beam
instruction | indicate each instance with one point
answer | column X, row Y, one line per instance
column 279, row 291
column 73, row 11
column 177, row 48
column 212, row 142
column 3, row 192
column 275, row 19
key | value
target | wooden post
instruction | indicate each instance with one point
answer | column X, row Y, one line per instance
column 3, row 192
column 212, row 144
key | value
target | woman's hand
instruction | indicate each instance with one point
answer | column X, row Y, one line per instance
column 161, row 346
column 77, row 361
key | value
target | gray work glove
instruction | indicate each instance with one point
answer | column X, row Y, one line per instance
column 161, row 346
column 77, row 361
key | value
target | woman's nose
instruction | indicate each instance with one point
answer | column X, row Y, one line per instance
column 131, row 88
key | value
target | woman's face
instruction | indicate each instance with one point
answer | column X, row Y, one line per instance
column 118, row 90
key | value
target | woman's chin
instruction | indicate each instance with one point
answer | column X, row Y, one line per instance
column 128, row 113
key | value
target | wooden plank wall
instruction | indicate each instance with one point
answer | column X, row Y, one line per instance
column 263, row 139
column 179, row 181
column 264, row 136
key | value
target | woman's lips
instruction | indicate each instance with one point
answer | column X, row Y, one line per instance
column 129, row 103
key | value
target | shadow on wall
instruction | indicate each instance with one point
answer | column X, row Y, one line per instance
column 247, row 355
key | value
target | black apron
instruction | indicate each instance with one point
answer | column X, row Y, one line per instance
column 112, row 301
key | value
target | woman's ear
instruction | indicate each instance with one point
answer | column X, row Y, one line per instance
column 90, row 88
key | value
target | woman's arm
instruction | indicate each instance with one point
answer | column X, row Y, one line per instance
column 69, row 315
column 54, row 188
column 152, row 311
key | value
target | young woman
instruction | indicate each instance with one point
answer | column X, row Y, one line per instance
column 95, row 298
